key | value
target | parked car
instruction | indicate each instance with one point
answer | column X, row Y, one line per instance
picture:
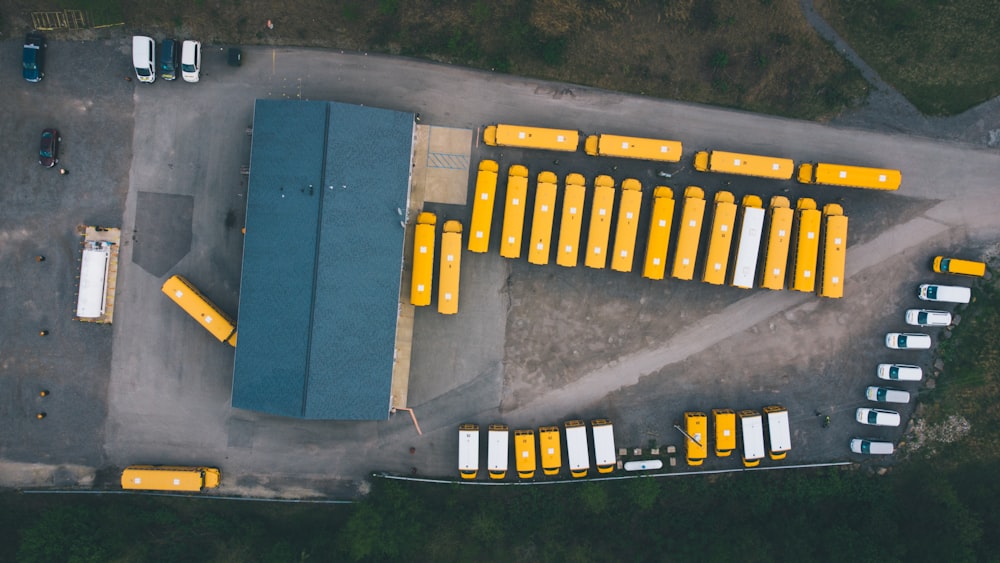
column 877, row 417
column 33, row 59
column 872, row 447
column 927, row 317
column 907, row 341
column 169, row 57
column 48, row 150
column 945, row 293
column 143, row 58
column 900, row 372
column 191, row 61
column 886, row 395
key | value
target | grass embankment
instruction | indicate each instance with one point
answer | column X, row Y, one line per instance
column 943, row 55
column 961, row 415
column 758, row 55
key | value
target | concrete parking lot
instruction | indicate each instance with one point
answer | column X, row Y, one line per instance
column 532, row 345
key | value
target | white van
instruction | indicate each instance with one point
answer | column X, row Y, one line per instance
column 945, row 293
column 900, row 372
column 191, row 61
column 927, row 317
column 872, row 447
column 886, row 395
column 907, row 341
column 144, row 57
column 877, row 417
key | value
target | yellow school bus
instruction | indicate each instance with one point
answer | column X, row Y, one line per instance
column 633, row 147
column 849, row 176
column 600, row 222
column 655, row 263
column 805, row 246
column 482, row 206
column 724, row 421
column 532, row 137
column 542, row 219
column 721, row 238
column 779, row 237
column 689, row 233
column 451, row 268
column 748, row 242
column 200, row 309
column 423, row 259
column 169, row 478
column 513, row 215
column 572, row 221
column 831, row 280
column 945, row 265
column 548, row 438
column 524, row 449
column 696, row 437
column 744, row 164
column 628, row 225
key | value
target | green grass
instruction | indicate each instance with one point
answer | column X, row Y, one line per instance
column 943, row 55
column 969, row 385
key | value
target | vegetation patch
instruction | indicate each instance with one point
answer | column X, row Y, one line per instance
column 942, row 55
column 757, row 55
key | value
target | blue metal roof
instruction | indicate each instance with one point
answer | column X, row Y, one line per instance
column 321, row 260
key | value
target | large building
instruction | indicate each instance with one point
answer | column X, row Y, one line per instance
column 322, row 258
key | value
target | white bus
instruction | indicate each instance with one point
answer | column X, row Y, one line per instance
column 748, row 245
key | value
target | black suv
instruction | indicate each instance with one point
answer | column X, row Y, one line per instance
column 34, row 57
column 170, row 56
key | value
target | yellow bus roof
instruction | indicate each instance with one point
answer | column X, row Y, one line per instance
column 725, row 430
column 199, row 307
column 524, row 450
column 628, row 225
column 696, row 427
column 600, row 222
column 858, row 176
column 482, row 206
column 542, row 219
column 720, row 239
column 423, row 260
column 778, row 241
column 551, row 452
column 513, row 216
column 639, row 148
column 655, row 263
column 169, row 478
column 689, row 233
column 451, row 267
column 751, row 165
column 536, row 138
column 805, row 252
column 571, row 224
column 834, row 255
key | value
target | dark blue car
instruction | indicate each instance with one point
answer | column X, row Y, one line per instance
column 33, row 61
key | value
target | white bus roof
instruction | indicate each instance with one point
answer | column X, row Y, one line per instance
column 468, row 450
column 751, row 229
column 93, row 281
column 604, row 445
column 498, row 450
column 777, row 428
column 753, row 437
column 576, row 448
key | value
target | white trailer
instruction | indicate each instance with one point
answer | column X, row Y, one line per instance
column 753, row 437
column 604, row 445
column 92, row 299
column 778, row 432
column 748, row 246
column 468, row 451
column 576, row 448
column 496, row 457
